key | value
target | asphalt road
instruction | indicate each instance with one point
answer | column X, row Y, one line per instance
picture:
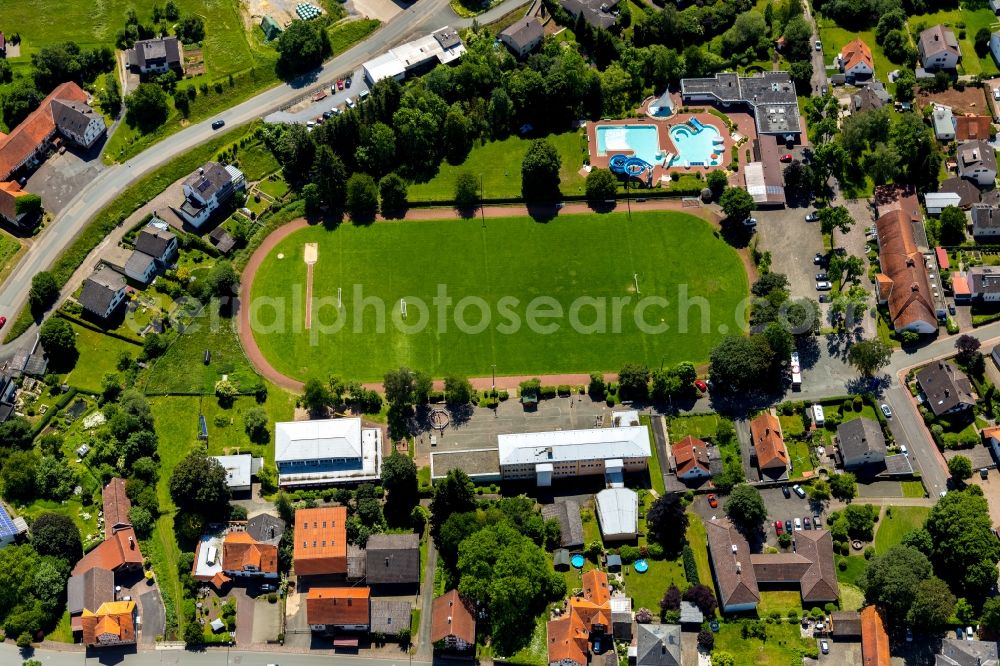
column 421, row 18
column 819, row 66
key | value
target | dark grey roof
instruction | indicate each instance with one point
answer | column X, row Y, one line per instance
column 597, row 13
column 389, row 617
column 691, row 614
column 393, row 559
column 871, row 96
column 265, row 528
column 968, row 193
column 898, row 465
column 771, row 95
column 448, row 38
column 70, row 116
column 984, row 280
column 166, row 49
column 985, row 217
column 972, row 154
column 658, row 645
column 138, row 262
column 154, row 241
column 355, row 562
column 945, row 387
column 524, row 32
column 567, row 512
column 100, row 288
column 860, row 436
column 222, row 241
column 956, row 652
column 614, row 562
column 560, row 558
column 90, row 590
column 845, row 623
column 209, row 179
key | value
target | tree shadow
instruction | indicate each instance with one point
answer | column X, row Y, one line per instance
column 808, row 348
column 396, row 214
column 735, row 234
column 467, row 212
column 543, row 212
column 460, row 414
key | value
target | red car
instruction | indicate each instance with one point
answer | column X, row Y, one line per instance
column 3, row 320
column 778, row 527
column 701, row 386
column 713, row 501
column 340, row 84
column 787, row 157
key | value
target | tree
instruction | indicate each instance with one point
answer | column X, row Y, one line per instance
column 540, row 172
column 154, row 345
column 869, row 356
column 17, row 476
column 146, row 108
column 801, row 72
column 466, row 191
column 981, row 42
column 399, row 478
column 453, row 494
column 313, row 200
column 44, row 292
column 28, row 205
column 741, row 363
column 20, row 100
column 932, row 605
column 666, row 522
column 818, row 490
column 736, row 203
column 967, row 345
column 965, row 550
column 745, row 506
column 960, row 468
column 58, row 340
column 597, row 389
column 882, row 163
column 891, row 579
column 142, row 521
column 633, row 382
column 602, row 185
column 330, row 175
column 457, row 390
column 377, row 152
column 457, row 135
column 952, row 226
column 843, row 486
column 835, row 218
column 190, row 29
column 717, row 181
column 723, row 658
column 301, row 47
column 703, row 597
column 671, row 600
column 54, row 478
column 57, row 535
column 920, row 539
column 392, row 192
column 223, row 280
column 255, row 425
column 990, row 617
column 316, row 396
column 198, row 485
column 362, row 197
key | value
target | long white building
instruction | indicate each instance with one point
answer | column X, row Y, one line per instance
column 326, row 452
column 545, row 456
column 440, row 47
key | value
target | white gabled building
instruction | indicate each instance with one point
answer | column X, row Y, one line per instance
column 442, row 47
column 618, row 513
column 545, row 456
column 326, row 451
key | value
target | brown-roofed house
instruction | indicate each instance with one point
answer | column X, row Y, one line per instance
column 970, row 127
column 111, row 624
column 90, row 590
column 393, row 559
column 947, row 389
column 734, row 576
column 769, row 446
column 874, row 638
column 321, row 541
column 889, row 198
column 453, row 623
column 903, row 283
column 589, row 614
column 243, row 556
column 938, row 49
column 967, row 192
column 691, row 458
column 119, row 552
column 811, row 567
column 116, row 507
column 10, row 192
column 845, row 625
column 338, row 608
column 856, row 60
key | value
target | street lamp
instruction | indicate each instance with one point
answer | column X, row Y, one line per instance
column 494, row 366
column 482, row 200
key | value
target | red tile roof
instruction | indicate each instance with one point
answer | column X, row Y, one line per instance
column 121, row 549
column 768, row 441
column 241, row 552
column 321, row 541
column 942, row 257
column 689, row 454
column 856, row 52
column 9, row 193
column 35, row 129
column 960, row 285
column 970, row 127
column 338, row 605
column 114, row 621
column 567, row 636
column 874, row 639
column 909, row 297
column 451, row 615
column 116, row 506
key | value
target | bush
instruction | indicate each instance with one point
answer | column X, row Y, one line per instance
column 842, row 565
column 690, row 565
column 869, row 552
column 655, row 551
column 547, row 392
column 629, row 554
column 564, row 390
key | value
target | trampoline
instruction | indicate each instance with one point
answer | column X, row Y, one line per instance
column 641, row 566
column 577, row 561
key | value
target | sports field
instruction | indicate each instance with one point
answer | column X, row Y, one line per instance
column 530, row 297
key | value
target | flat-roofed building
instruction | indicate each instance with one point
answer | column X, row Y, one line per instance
column 326, row 451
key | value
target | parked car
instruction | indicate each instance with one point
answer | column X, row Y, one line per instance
column 823, row 89
column 909, row 635
column 327, row 115
column 816, row 521
column 819, row 45
column 995, row 533
column 713, row 501
column 825, row 298
column 824, row 646
column 347, row 82
column 824, row 285
column 811, row 217
column 886, row 410
column 820, row 259
column 786, row 491
column 822, row 276
column 701, row 385
column 807, row 523
column 267, row 588
column 984, row 473
column 787, row 157
column 778, row 527
column 350, row 103
column 969, row 633
column 951, row 308
column 750, row 222
column 340, row 84
column 788, row 526
column 902, row 449
column 3, row 320
column 216, row 124
column 798, row 491
column 996, row 94
column 362, row 96
column 798, row 524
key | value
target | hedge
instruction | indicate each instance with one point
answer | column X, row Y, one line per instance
column 690, row 566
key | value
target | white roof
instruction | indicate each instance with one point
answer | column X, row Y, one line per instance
column 317, row 440
column 208, row 542
column 942, row 199
column 384, row 66
column 618, row 512
column 756, row 185
column 238, row 469
column 566, row 445
column 397, row 61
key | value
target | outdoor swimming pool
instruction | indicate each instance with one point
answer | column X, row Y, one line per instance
column 642, row 140
column 697, row 147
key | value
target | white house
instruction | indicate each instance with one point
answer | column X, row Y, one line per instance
column 618, row 513
column 943, row 121
column 938, row 49
column 103, row 292
column 523, row 37
column 239, row 470
column 977, row 162
column 208, row 188
column 441, row 47
column 545, row 456
column 326, row 451
column 140, row 267
column 855, row 61
column 155, row 247
column 78, row 122
column 861, row 443
column 156, row 56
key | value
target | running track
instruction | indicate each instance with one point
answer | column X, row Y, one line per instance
column 264, row 367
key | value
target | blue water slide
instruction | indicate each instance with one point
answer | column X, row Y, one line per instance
column 617, row 163
column 696, row 124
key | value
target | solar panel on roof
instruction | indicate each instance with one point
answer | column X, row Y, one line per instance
column 6, row 524
column 204, row 184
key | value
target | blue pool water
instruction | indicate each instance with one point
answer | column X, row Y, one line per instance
column 577, row 561
column 696, row 147
column 641, row 566
column 642, row 140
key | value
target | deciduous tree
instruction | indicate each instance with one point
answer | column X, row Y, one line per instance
column 540, row 172
column 57, row 535
column 736, row 203
column 869, row 356
column 198, row 484
column 745, row 506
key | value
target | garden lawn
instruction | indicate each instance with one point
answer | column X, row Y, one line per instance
column 655, row 470
column 535, row 653
column 699, row 426
column 256, row 161
column 63, row 632
column 856, row 565
column 913, row 489
column 9, row 247
column 781, row 601
column 791, row 425
column 647, row 589
column 697, row 538
column 98, row 355
column 892, row 528
column 498, row 163
column 851, row 597
column 783, row 646
column 496, row 277
column 798, row 452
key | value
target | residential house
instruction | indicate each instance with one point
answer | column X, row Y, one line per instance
column 938, row 201
column 453, row 623
column 567, row 512
column 938, row 49
column 116, row 506
column 103, row 292
column 523, row 36
column 389, row 617
column 658, row 645
column 156, row 56
column 244, row 557
column 331, row 609
column 977, row 162
column 320, row 541
column 549, row 455
column 222, row 241
column 211, row 186
column 618, row 514
column 861, row 443
column 240, row 470
column 985, row 222
column 855, row 61
column 731, row 570
column 155, row 240
column 943, row 122
column 845, row 625
column 622, row 616
column 140, row 267
column 769, row 446
column 991, row 435
column 995, row 42
column 598, row 13
column 326, row 451
column 903, row 284
column 984, row 283
column 10, row 192
column 112, row 624
column 870, row 97
column 946, row 388
column 969, row 127
column 874, row 638
column 393, row 559
column 119, row 553
column 967, row 192
column 587, row 618
column 28, row 143
column 265, row 528
column 956, row 652
column 11, row 529
column 91, row 589
column 691, row 459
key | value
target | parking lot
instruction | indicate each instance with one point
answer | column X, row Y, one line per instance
column 792, row 243
column 778, row 506
column 307, row 110
column 61, row 177
column 841, row 654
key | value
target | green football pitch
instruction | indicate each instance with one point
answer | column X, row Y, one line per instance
column 580, row 293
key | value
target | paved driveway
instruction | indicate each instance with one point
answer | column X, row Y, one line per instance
column 297, row 633
column 266, row 620
column 61, row 177
column 154, row 622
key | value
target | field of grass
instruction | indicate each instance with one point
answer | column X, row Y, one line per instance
column 98, row 355
column 9, row 247
column 256, row 161
column 655, row 469
column 791, row 425
column 573, row 268
column 784, row 645
column 697, row 539
column 913, row 489
column 698, row 425
column 647, row 589
column 345, row 35
column 892, row 528
column 856, row 565
column 498, row 163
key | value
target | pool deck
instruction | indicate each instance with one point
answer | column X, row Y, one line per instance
column 666, row 144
